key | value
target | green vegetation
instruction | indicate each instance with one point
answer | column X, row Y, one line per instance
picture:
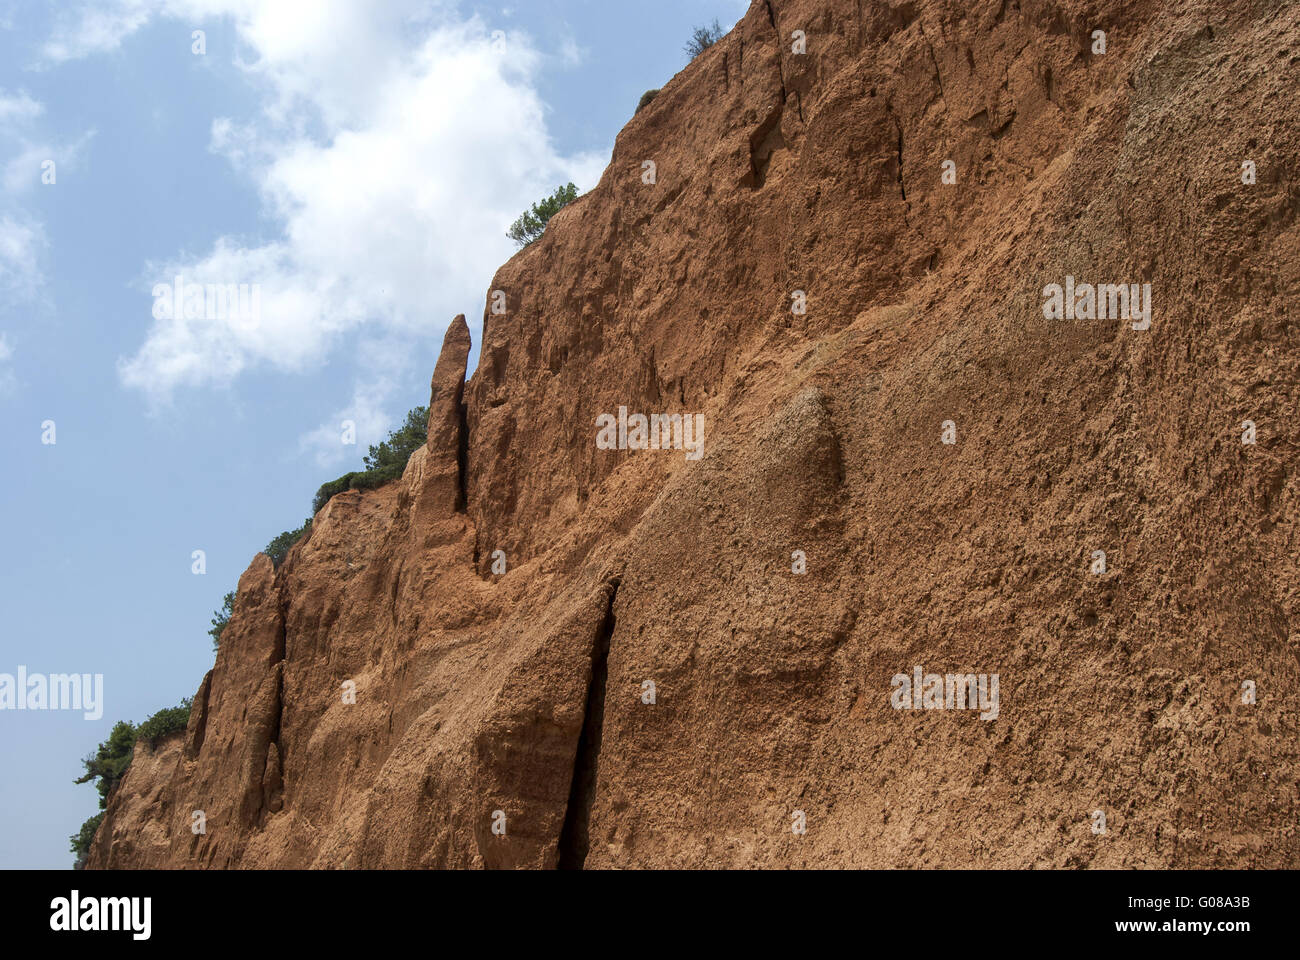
column 108, row 764
column 278, row 548
column 220, row 618
column 165, row 721
column 80, row 842
column 646, row 99
column 110, row 761
column 401, row 443
column 358, row 480
column 702, row 38
column 384, row 464
column 532, row 223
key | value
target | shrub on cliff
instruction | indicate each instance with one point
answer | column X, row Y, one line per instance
column 165, row 721
column 81, row 840
column 220, row 618
column 384, row 463
column 109, row 763
column 401, row 443
column 646, row 99
column 532, row 223
column 358, row 480
column 702, row 38
column 278, row 548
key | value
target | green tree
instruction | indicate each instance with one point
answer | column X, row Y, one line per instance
column 385, row 462
column 702, row 38
column 401, row 443
column 80, row 841
column 109, row 763
column 278, row 548
column 220, row 618
column 532, row 223
column 165, row 721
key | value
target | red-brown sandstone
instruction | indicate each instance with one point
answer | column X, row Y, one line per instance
column 775, row 173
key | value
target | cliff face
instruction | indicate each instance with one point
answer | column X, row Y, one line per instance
column 501, row 720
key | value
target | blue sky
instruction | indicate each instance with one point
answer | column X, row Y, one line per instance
column 359, row 161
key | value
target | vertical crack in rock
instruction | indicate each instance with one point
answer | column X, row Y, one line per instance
column 780, row 68
column 197, row 728
column 282, row 626
column 281, row 664
column 902, row 190
column 277, row 718
column 273, row 768
column 395, row 592
column 462, row 453
column 273, row 761
column 934, row 61
column 447, row 458
column 262, row 760
column 575, row 836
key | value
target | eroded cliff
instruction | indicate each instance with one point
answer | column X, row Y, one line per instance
column 519, row 700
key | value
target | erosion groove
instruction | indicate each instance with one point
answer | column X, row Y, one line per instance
column 197, row 728
column 462, row 456
column 575, row 837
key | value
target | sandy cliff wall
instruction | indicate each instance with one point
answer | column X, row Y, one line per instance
column 821, row 172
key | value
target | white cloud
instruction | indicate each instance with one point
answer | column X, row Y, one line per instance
column 368, row 413
column 22, row 238
column 571, row 54
column 20, row 245
column 395, row 144
column 237, row 142
column 24, row 167
column 6, row 375
column 384, row 363
column 96, row 27
column 18, row 106
column 27, row 167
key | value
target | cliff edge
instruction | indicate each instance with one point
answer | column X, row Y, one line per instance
column 836, row 263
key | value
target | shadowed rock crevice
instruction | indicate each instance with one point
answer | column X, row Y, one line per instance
column 262, row 731
column 462, row 454
column 898, row 157
column 780, row 70
column 273, row 767
column 447, row 460
column 197, row 728
column 763, row 144
column 575, row 837
column 277, row 712
column 275, row 753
